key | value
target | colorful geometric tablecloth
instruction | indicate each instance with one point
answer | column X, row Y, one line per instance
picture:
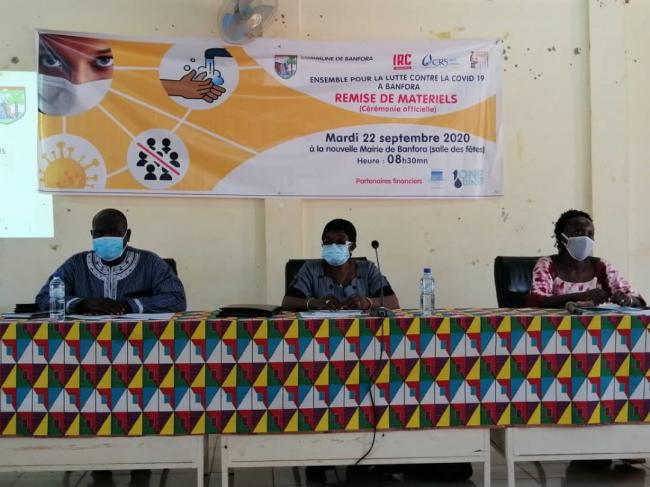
column 199, row 374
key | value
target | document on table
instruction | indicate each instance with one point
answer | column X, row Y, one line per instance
column 324, row 314
column 22, row 316
column 124, row 317
column 611, row 308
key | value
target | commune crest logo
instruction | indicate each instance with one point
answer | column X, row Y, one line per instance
column 12, row 104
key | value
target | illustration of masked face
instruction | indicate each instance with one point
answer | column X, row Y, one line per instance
column 74, row 73
column 58, row 96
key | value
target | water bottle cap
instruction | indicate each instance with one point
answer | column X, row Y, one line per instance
column 56, row 274
column 427, row 270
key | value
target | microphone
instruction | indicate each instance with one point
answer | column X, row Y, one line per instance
column 573, row 308
column 382, row 311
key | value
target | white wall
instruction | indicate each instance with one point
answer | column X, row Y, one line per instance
column 234, row 250
column 636, row 140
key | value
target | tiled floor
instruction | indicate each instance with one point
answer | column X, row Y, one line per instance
column 549, row 474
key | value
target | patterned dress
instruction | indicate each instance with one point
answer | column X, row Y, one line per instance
column 546, row 282
column 312, row 282
column 141, row 278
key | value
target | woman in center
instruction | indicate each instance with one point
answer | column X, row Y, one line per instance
column 337, row 281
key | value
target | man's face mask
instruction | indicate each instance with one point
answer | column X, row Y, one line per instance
column 336, row 254
column 58, row 96
column 108, row 248
column 579, row 247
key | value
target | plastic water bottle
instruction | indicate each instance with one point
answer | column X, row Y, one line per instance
column 427, row 292
column 57, row 298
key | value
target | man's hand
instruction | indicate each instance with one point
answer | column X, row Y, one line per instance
column 100, row 306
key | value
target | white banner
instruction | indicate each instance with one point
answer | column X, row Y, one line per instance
column 275, row 117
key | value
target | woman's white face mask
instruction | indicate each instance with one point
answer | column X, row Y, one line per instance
column 58, row 96
column 579, row 247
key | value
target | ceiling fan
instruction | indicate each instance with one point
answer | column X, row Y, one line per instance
column 243, row 20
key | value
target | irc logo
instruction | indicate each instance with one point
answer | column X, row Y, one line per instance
column 402, row 61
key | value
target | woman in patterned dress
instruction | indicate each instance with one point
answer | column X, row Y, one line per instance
column 573, row 274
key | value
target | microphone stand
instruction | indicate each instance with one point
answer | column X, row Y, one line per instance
column 382, row 311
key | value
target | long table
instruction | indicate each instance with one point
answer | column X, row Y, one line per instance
column 198, row 374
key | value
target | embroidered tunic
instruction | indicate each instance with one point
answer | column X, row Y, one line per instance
column 141, row 278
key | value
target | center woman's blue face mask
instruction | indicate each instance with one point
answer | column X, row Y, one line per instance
column 108, row 248
column 336, row 254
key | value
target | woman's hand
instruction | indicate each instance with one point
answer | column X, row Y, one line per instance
column 358, row 302
column 623, row 299
column 596, row 296
column 326, row 302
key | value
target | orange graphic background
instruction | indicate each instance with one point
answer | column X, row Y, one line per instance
column 260, row 114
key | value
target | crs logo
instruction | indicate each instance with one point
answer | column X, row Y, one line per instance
column 429, row 61
column 402, row 61
column 468, row 177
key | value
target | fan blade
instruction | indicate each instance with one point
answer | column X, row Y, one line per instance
column 265, row 11
column 244, row 5
column 234, row 28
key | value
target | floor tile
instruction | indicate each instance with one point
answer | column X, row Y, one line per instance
column 253, row 477
column 528, row 474
column 214, row 480
column 8, row 478
column 53, row 479
column 180, row 478
column 289, row 477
